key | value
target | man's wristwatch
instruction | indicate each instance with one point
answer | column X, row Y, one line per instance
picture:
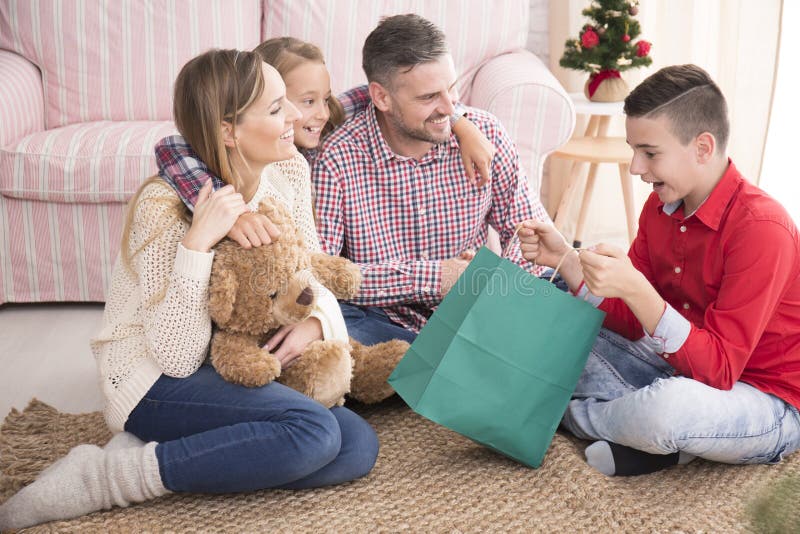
column 460, row 111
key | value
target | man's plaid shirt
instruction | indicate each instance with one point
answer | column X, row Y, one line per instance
column 398, row 218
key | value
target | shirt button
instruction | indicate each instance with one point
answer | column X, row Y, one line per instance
column 424, row 254
column 683, row 228
column 665, row 356
column 426, row 289
column 677, row 270
column 422, row 212
column 685, row 305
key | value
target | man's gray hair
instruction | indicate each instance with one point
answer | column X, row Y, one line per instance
column 401, row 42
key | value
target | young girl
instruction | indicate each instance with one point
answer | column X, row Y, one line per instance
column 200, row 433
column 308, row 87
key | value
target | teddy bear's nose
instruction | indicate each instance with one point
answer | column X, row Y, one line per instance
column 305, row 298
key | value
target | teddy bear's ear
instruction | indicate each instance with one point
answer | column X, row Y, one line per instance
column 222, row 294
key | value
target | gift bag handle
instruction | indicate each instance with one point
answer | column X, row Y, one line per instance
column 560, row 262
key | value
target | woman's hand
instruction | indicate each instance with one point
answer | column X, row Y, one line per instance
column 292, row 340
column 476, row 151
column 253, row 230
column 214, row 214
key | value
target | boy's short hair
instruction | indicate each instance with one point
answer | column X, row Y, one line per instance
column 686, row 95
column 401, row 41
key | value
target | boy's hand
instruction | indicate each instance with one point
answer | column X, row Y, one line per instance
column 253, row 230
column 476, row 152
column 608, row 271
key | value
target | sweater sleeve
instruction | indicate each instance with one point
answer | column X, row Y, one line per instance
column 173, row 282
column 329, row 314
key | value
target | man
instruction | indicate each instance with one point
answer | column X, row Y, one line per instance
column 391, row 192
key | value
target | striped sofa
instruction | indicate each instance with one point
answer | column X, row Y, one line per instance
column 85, row 93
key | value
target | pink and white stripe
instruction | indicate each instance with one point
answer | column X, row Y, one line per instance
column 21, row 103
column 535, row 110
column 93, row 162
column 57, row 252
column 117, row 59
column 476, row 29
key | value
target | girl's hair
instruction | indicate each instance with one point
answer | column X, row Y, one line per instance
column 216, row 86
column 286, row 54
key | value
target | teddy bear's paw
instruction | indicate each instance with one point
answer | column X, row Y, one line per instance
column 322, row 372
column 250, row 370
column 372, row 366
column 341, row 276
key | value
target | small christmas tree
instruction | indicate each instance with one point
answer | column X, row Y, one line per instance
column 606, row 47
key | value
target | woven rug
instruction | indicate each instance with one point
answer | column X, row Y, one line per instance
column 429, row 479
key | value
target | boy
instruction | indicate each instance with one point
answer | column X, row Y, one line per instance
column 707, row 299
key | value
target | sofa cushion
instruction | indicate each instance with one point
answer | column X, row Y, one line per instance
column 92, row 162
column 476, row 30
column 118, row 60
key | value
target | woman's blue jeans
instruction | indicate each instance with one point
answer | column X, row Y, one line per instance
column 627, row 394
column 218, row 437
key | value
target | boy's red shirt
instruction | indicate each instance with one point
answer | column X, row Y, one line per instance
column 733, row 271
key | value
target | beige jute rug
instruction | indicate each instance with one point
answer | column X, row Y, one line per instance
column 429, row 479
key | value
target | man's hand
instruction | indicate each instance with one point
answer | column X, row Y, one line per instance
column 253, row 229
column 476, row 151
column 451, row 270
column 541, row 243
column 608, row 271
column 292, row 340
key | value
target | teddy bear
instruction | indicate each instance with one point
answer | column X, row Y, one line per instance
column 253, row 292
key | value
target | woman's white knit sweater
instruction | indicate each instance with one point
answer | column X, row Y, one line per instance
column 156, row 317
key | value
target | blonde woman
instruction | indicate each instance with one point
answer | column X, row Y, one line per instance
column 187, row 430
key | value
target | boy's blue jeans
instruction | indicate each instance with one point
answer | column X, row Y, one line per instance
column 627, row 395
column 218, row 437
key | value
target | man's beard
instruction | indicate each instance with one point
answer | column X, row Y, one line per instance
column 417, row 134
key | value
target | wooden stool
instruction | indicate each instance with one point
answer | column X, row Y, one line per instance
column 595, row 148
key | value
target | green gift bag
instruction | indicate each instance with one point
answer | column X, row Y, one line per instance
column 498, row 360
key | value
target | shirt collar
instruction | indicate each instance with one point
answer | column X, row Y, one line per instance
column 711, row 210
column 382, row 153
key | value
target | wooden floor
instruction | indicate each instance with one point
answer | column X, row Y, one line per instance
column 44, row 353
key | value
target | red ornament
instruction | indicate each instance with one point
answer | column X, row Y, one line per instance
column 626, row 38
column 633, row 11
column 589, row 39
column 643, row 48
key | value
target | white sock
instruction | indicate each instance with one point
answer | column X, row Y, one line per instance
column 598, row 455
column 86, row 480
column 122, row 440
column 613, row 459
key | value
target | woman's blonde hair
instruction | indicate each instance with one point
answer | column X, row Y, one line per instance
column 286, row 54
column 215, row 87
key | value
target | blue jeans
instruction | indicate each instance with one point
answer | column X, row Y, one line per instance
column 627, row 395
column 371, row 325
column 218, row 437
